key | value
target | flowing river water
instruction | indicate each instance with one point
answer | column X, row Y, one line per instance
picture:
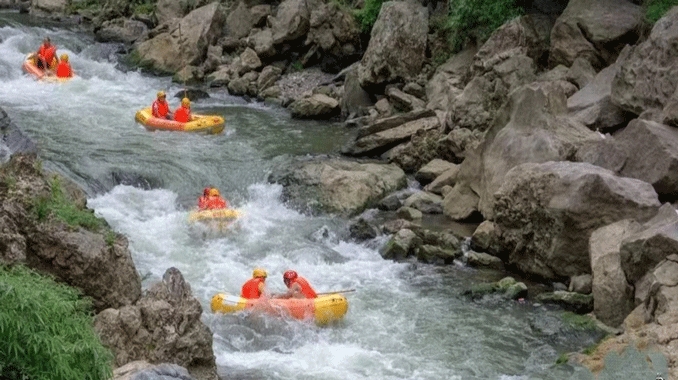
column 405, row 321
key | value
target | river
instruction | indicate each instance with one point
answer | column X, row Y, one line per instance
column 405, row 321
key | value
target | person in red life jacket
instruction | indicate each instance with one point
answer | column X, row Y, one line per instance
column 256, row 286
column 183, row 113
column 161, row 108
column 203, row 200
column 215, row 201
column 297, row 287
column 63, row 69
column 46, row 55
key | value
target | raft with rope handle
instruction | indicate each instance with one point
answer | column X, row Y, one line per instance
column 211, row 124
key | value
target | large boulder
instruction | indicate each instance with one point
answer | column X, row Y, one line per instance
column 648, row 72
column 122, row 30
column 433, row 170
column 652, row 243
column 508, row 60
column 548, row 211
column 12, row 139
column 186, row 44
column 378, row 143
column 239, row 21
column 612, row 294
column 163, row 327
column 292, row 21
column 449, row 80
column 336, row 185
column 651, row 155
column 397, row 48
column 314, row 107
column 143, row 370
column 168, row 10
column 531, row 127
column 592, row 105
column 48, row 6
column 96, row 261
column 355, row 100
column 594, row 30
column 335, row 31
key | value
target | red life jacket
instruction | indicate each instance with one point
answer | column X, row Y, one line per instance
column 250, row 289
column 214, row 203
column 182, row 114
column 64, row 70
column 47, row 53
column 160, row 109
column 306, row 288
column 203, row 202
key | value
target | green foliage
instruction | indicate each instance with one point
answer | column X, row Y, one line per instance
column 59, row 205
column 46, row 330
column 143, row 7
column 656, row 9
column 368, row 15
column 110, row 238
column 579, row 322
column 475, row 20
column 77, row 6
column 296, row 66
column 562, row 359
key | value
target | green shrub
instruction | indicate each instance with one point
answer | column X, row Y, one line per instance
column 59, row 205
column 562, row 359
column 46, row 330
column 656, row 9
column 76, row 6
column 475, row 20
column 368, row 15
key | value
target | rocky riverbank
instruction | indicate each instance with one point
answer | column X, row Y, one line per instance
column 46, row 226
column 558, row 132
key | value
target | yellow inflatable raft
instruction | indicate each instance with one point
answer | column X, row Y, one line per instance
column 203, row 123
column 224, row 214
column 31, row 68
column 323, row 309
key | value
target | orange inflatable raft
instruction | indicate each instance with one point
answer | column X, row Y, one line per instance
column 202, row 123
column 31, row 68
column 323, row 309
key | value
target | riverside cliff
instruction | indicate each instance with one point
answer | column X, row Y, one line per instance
column 558, row 131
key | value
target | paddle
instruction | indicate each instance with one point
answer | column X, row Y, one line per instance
column 336, row 291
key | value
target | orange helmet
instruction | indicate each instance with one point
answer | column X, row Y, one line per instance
column 185, row 102
column 161, row 94
column 214, row 192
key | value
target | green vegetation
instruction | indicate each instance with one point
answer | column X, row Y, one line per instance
column 475, row 20
column 110, row 238
column 59, row 205
column 77, row 6
column 296, row 66
column 46, row 330
column 656, row 9
column 562, row 359
column 142, row 7
column 368, row 15
column 579, row 322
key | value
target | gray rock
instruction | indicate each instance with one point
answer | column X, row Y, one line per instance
column 362, row 230
column 239, row 21
column 427, row 203
column 431, row 254
column 581, row 73
column 291, row 21
column 561, row 204
column 355, row 100
column 401, row 245
column 460, row 202
column 397, row 47
column 315, row 106
column 262, row 43
column 122, row 30
column 409, row 213
column 267, row 78
column 580, row 284
column 486, row 238
column 433, row 170
column 249, row 61
column 142, row 370
column 575, row 302
column 447, row 178
column 394, row 121
column 449, row 80
column 595, row 31
column 402, row 101
column 378, row 143
column 481, row 259
column 592, row 105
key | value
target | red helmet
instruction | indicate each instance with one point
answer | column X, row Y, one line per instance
column 289, row 275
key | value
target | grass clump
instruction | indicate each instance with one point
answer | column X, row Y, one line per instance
column 46, row 330
column 367, row 16
column 59, row 205
column 562, row 359
column 475, row 20
column 656, row 9
column 77, row 6
column 579, row 322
